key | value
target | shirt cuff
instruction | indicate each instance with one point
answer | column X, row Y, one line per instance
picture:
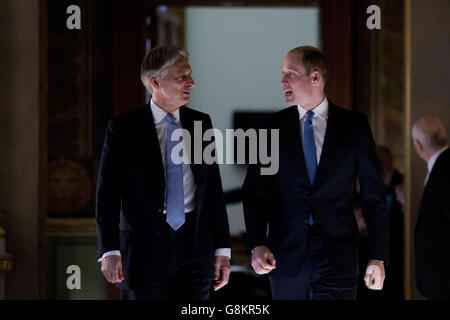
column 219, row 252
column 223, row 252
column 109, row 253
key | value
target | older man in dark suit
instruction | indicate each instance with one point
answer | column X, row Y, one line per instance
column 432, row 234
column 162, row 226
column 311, row 249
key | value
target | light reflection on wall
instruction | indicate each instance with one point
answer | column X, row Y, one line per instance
column 236, row 56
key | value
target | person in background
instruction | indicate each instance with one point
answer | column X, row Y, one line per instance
column 432, row 233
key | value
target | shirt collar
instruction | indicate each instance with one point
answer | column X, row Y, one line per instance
column 159, row 114
column 434, row 157
column 321, row 110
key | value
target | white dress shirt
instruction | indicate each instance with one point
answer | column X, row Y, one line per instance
column 319, row 122
column 432, row 161
column 189, row 186
column 161, row 125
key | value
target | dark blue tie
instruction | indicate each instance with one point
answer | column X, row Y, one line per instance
column 309, row 150
column 175, row 216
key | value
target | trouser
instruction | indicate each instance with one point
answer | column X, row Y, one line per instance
column 183, row 279
column 316, row 280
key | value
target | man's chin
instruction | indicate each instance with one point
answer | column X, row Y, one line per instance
column 289, row 101
column 183, row 102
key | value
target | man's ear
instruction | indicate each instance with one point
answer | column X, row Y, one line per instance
column 154, row 82
column 316, row 76
column 418, row 145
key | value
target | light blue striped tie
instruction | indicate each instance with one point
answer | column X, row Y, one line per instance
column 309, row 150
column 175, row 216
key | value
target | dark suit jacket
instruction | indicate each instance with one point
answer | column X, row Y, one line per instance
column 432, row 234
column 284, row 200
column 131, row 191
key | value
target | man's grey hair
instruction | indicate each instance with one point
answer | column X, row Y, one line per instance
column 430, row 132
column 158, row 61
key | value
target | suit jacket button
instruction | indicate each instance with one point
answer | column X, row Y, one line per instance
column 157, row 233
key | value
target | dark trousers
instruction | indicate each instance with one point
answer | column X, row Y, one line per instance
column 317, row 280
column 182, row 279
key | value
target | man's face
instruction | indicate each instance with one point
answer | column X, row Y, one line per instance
column 296, row 84
column 175, row 88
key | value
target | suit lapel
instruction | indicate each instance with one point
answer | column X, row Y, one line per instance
column 187, row 122
column 294, row 138
column 331, row 132
column 291, row 146
column 150, row 141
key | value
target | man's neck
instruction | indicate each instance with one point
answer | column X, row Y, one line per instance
column 167, row 107
column 314, row 102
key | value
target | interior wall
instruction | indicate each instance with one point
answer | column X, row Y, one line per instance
column 242, row 73
column 429, row 94
column 19, row 146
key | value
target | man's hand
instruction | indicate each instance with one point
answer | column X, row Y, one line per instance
column 222, row 272
column 374, row 277
column 263, row 260
column 112, row 269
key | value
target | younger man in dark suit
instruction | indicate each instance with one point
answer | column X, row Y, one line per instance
column 432, row 234
column 162, row 226
column 311, row 249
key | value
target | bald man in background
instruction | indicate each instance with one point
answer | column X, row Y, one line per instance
column 432, row 234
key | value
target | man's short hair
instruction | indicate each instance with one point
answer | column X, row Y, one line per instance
column 313, row 60
column 158, row 61
column 430, row 132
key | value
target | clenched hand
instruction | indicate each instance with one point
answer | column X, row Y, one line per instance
column 263, row 260
column 222, row 272
column 112, row 269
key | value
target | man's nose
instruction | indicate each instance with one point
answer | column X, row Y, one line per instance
column 191, row 82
